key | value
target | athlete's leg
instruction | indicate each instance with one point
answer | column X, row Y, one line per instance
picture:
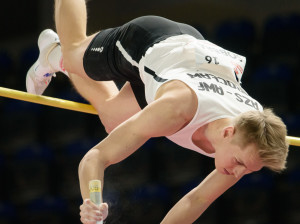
column 70, row 20
column 113, row 106
column 112, row 110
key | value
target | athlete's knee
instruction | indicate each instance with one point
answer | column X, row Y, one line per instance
column 67, row 65
column 73, row 55
column 72, row 59
column 68, row 59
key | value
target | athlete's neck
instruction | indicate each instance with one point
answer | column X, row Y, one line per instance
column 200, row 140
column 207, row 136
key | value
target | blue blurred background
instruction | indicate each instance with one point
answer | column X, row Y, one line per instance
column 41, row 146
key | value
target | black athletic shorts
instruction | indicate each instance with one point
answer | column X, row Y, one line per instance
column 103, row 60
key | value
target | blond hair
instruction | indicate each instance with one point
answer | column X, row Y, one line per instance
column 268, row 132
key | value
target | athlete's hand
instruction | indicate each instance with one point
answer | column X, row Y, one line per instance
column 91, row 213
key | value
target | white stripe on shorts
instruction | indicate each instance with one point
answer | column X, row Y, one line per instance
column 126, row 55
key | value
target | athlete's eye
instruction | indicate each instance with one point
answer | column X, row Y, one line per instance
column 237, row 161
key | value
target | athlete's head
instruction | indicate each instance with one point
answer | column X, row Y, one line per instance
column 254, row 140
column 268, row 133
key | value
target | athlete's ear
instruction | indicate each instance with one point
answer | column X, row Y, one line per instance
column 228, row 131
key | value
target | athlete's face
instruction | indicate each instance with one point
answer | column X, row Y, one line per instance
column 231, row 159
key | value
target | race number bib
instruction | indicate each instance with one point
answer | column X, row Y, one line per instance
column 209, row 53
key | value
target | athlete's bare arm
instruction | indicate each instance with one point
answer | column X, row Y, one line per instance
column 193, row 204
column 174, row 107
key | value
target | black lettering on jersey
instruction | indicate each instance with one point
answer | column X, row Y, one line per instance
column 209, row 87
column 238, row 97
column 211, row 59
column 217, row 79
column 221, row 80
column 203, row 86
column 196, row 75
column 232, row 55
column 191, row 75
column 255, row 104
column 219, row 90
column 247, row 101
column 199, row 75
column 205, row 76
column 232, row 85
column 224, row 52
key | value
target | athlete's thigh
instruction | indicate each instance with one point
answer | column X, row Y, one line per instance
column 119, row 108
column 73, row 57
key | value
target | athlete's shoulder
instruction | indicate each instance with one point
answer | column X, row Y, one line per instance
column 181, row 95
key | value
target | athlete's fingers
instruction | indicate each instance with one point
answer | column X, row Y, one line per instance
column 90, row 213
column 104, row 210
column 88, row 205
column 89, row 221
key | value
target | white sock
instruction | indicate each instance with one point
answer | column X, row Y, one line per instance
column 55, row 59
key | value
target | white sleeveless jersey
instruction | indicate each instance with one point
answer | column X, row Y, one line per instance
column 211, row 71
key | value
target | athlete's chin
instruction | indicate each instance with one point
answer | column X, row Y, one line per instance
column 220, row 170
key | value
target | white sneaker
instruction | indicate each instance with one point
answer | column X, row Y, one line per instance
column 40, row 74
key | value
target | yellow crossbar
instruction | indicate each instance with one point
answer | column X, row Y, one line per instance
column 49, row 101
